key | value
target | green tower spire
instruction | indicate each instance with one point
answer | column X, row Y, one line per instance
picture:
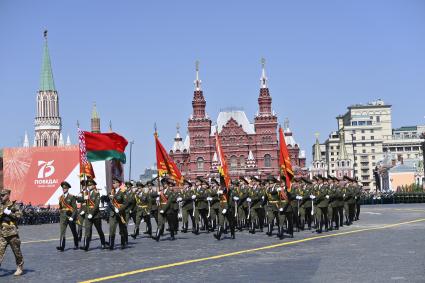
column 46, row 82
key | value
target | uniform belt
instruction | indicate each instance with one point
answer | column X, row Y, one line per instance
column 142, row 206
column 274, row 201
column 223, row 201
column 66, row 209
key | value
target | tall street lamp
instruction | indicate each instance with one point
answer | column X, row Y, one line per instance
column 129, row 170
column 354, row 156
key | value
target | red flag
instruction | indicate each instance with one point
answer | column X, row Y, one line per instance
column 165, row 164
column 86, row 168
column 222, row 165
column 285, row 161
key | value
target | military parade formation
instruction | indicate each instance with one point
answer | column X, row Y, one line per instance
column 255, row 205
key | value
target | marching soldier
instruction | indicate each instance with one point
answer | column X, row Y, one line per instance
column 322, row 202
column 285, row 212
column 9, row 216
column 165, row 210
column 214, row 204
column 186, row 204
column 272, row 208
column 142, row 210
column 154, row 201
column 202, row 204
column 226, row 211
column 81, row 199
column 92, row 213
column 68, row 214
column 119, row 203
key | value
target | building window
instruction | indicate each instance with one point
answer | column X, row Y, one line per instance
column 242, row 161
column 364, row 151
column 369, row 123
column 363, row 138
column 372, row 137
column 371, row 131
column 378, row 118
column 45, row 142
column 267, row 160
column 233, row 162
column 332, row 159
column 362, row 131
column 373, row 150
column 55, row 142
column 354, row 123
column 200, row 164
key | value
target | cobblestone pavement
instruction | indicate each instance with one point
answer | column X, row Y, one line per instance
column 386, row 245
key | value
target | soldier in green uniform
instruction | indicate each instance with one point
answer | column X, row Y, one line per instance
column 80, row 198
column 322, row 203
column 165, row 209
column 153, row 199
column 349, row 201
column 295, row 202
column 214, row 204
column 202, row 203
column 9, row 216
column 285, row 211
column 186, row 204
column 68, row 214
column 142, row 210
column 254, row 200
column 272, row 208
column 92, row 213
column 303, row 199
column 119, row 203
column 226, row 212
column 357, row 197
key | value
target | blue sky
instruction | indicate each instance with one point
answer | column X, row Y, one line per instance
column 135, row 59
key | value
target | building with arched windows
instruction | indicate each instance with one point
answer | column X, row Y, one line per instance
column 250, row 148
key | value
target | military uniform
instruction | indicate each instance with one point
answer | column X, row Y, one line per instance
column 117, row 216
column 142, row 209
column 68, row 214
column 165, row 211
column 92, row 213
column 9, row 216
column 226, row 212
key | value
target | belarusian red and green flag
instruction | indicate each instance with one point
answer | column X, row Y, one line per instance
column 105, row 146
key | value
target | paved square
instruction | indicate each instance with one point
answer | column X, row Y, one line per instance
column 386, row 245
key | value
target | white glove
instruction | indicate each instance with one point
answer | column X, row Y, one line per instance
column 312, row 197
column 281, row 209
column 235, row 198
column 327, row 196
column 116, row 210
column 220, row 192
column 355, row 197
column 248, row 199
column 82, row 212
column 224, row 211
column 86, row 197
column 343, row 195
column 71, row 219
column 193, row 196
column 299, row 197
column 80, row 195
column 209, row 198
column 262, row 197
column 379, row 197
column 179, row 199
column 374, row 197
column 157, row 198
column 161, row 211
column 7, row 211
column 279, row 189
column 90, row 216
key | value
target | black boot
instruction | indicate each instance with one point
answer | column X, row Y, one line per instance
column 86, row 244
column 252, row 228
column 123, row 242
column 232, row 232
column 135, row 233
column 280, row 233
column 269, row 229
column 80, row 234
column 184, row 227
column 76, row 243
column 172, row 235
column 219, row 232
column 83, row 247
column 111, row 242
column 61, row 244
